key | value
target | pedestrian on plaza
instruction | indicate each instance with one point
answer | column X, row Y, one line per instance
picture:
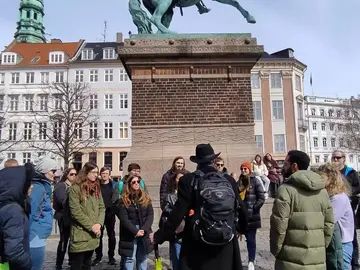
column 11, row 163
column 107, row 189
column 88, row 214
column 41, row 217
column 261, row 172
column 203, row 247
column 220, row 165
column 302, row 220
column 338, row 191
column 61, row 193
column 339, row 158
column 15, row 187
column 136, row 216
column 274, row 175
column 252, row 193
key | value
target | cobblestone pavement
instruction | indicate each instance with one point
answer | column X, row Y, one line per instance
column 264, row 260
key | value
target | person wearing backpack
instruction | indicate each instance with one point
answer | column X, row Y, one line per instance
column 15, row 186
column 41, row 217
column 207, row 243
column 60, row 195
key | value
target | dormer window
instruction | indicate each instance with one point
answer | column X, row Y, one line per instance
column 108, row 53
column 87, row 54
column 8, row 58
column 56, row 58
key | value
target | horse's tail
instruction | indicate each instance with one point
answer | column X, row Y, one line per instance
column 140, row 17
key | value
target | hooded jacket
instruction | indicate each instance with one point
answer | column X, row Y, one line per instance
column 301, row 223
column 14, row 221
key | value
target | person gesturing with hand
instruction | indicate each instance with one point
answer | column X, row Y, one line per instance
column 136, row 217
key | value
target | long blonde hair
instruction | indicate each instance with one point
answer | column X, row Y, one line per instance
column 337, row 183
column 129, row 196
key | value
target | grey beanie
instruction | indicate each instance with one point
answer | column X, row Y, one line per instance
column 45, row 164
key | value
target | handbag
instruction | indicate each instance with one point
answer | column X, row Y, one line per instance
column 4, row 266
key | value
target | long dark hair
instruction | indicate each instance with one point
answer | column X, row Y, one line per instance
column 83, row 181
column 172, row 186
column 65, row 174
column 258, row 163
column 173, row 169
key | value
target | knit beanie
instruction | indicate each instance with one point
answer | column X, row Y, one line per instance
column 246, row 164
column 45, row 164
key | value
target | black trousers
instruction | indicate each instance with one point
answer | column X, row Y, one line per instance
column 63, row 243
column 109, row 224
column 81, row 260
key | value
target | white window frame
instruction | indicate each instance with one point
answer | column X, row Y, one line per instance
column 59, row 76
column 277, row 114
column 255, row 108
column 13, row 103
column 276, row 80
column 108, row 130
column 79, row 76
column 255, row 81
column 12, row 131
column 56, row 57
column 78, row 131
column 259, row 143
column 323, row 126
column 109, row 54
column 123, row 130
column 93, row 130
column 108, row 101
column 314, row 126
column 93, row 75
column 43, row 102
column 28, row 103
column 44, row 77
column 87, row 54
column 2, row 97
column 93, row 101
column 8, row 58
column 108, row 75
column 42, row 131
column 324, row 142
column 298, row 82
column 30, row 77
column 2, row 78
column 333, row 142
column 27, row 134
column 317, row 159
column 276, row 142
column 15, row 77
column 123, row 101
column 316, row 141
column 11, row 155
column 26, row 157
column 123, row 75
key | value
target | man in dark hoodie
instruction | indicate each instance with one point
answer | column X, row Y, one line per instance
column 195, row 254
column 15, row 185
column 339, row 158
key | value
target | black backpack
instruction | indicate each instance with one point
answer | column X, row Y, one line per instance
column 215, row 203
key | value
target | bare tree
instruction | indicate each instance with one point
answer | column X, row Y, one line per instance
column 66, row 119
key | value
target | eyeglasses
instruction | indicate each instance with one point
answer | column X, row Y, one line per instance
column 72, row 174
column 135, row 182
column 54, row 171
column 244, row 169
column 336, row 158
column 219, row 165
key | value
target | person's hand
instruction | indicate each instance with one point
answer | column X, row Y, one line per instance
column 96, row 229
column 140, row 233
column 151, row 236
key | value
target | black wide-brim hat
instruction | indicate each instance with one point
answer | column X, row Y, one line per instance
column 203, row 154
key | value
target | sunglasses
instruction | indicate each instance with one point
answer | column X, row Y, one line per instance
column 219, row 165
column 135, row 182
column 54, row 171
column 244, row 169
column 72, row 174
column 337, row 158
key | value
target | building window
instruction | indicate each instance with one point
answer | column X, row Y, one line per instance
column 93, row 101
column 313, row 111
column 27, row 131
column 341, row 142
column 326, row 157
column 255, row 80
column 109, row 53
column 123, row 76
column 57, row 102
column 26, row 157
column 259, row 141
column 14, row 103
column 331, row 112
column 122, row 156
column 316, row 142
column 109, row 75
column 276, row 80
column 43, row 102
column 30, row 77
column 93, row 157
column 108, row 101
column 1, row 102
column 2, row 78
column 11, row 155
column 44, row 77
column 332, row 126
column 12, row 131
column 42, row 130
column 28, row 102
column 300, row 111
column 351, row 158
column 87, row 55
column 339, row 127
column 257, row 110
column 79, row 76
column 94, row 75
column 302, row 143
column 323, row 126
column 93, row 130
column 8, row 58
column 59, row 77
column 123, row 101
column 57, row 130
column 298, row 82
column 78, row 103
column 317, row 159
column 56, row 58
column 333, row 142
column 123, row 130
column 324, row 142
column 279, row 142
column 322, row 112
column 78, row 131
column 108, row 160
column 277, row 109
column 108, row 130
column 1, row 130
column 314, row 126
column 338, row 113
column 15, row 78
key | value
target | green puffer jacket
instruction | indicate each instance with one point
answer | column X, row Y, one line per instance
column 301, row 223
column 334, row 252
column 85, row 213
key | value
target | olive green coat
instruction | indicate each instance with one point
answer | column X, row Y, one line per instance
column 85, row 214
column 301, row 223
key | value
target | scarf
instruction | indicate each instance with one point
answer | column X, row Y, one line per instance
column 242, row 194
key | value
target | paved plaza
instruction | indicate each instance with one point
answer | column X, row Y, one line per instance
column 264, row 260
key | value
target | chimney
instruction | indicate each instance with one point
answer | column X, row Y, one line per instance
column 56, row 40
column 119, row 37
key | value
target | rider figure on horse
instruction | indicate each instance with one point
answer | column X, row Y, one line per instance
column 202, row 8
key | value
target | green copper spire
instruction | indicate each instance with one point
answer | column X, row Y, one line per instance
column 30, row 27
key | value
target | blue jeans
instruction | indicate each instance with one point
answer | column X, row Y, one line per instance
column 139, row 255
column 175, row 254
column 37, row 257
column 348, row 252
column 251, row 244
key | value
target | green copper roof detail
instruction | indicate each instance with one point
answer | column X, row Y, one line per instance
column 30, row 27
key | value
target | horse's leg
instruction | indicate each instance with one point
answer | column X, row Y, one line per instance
column 160, row 10
column 235, row 4
column 167, row 17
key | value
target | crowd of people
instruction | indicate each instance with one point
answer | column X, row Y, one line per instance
column 204, row 213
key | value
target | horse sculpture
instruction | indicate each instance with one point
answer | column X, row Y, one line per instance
column 162, row 12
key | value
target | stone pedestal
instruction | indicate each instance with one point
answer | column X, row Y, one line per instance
column 186, row 90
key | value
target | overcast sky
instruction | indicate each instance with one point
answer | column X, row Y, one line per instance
column 324, row 33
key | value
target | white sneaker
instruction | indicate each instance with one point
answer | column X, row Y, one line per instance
column 251, row 266
column 266, row 196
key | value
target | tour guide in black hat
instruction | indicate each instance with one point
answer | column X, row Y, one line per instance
column 195, row 254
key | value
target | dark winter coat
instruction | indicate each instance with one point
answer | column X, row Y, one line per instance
column 334, row 252
column 194, row 254
column 353, row 179
column 254, row 200
column 128, row 221
column 14, row 220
